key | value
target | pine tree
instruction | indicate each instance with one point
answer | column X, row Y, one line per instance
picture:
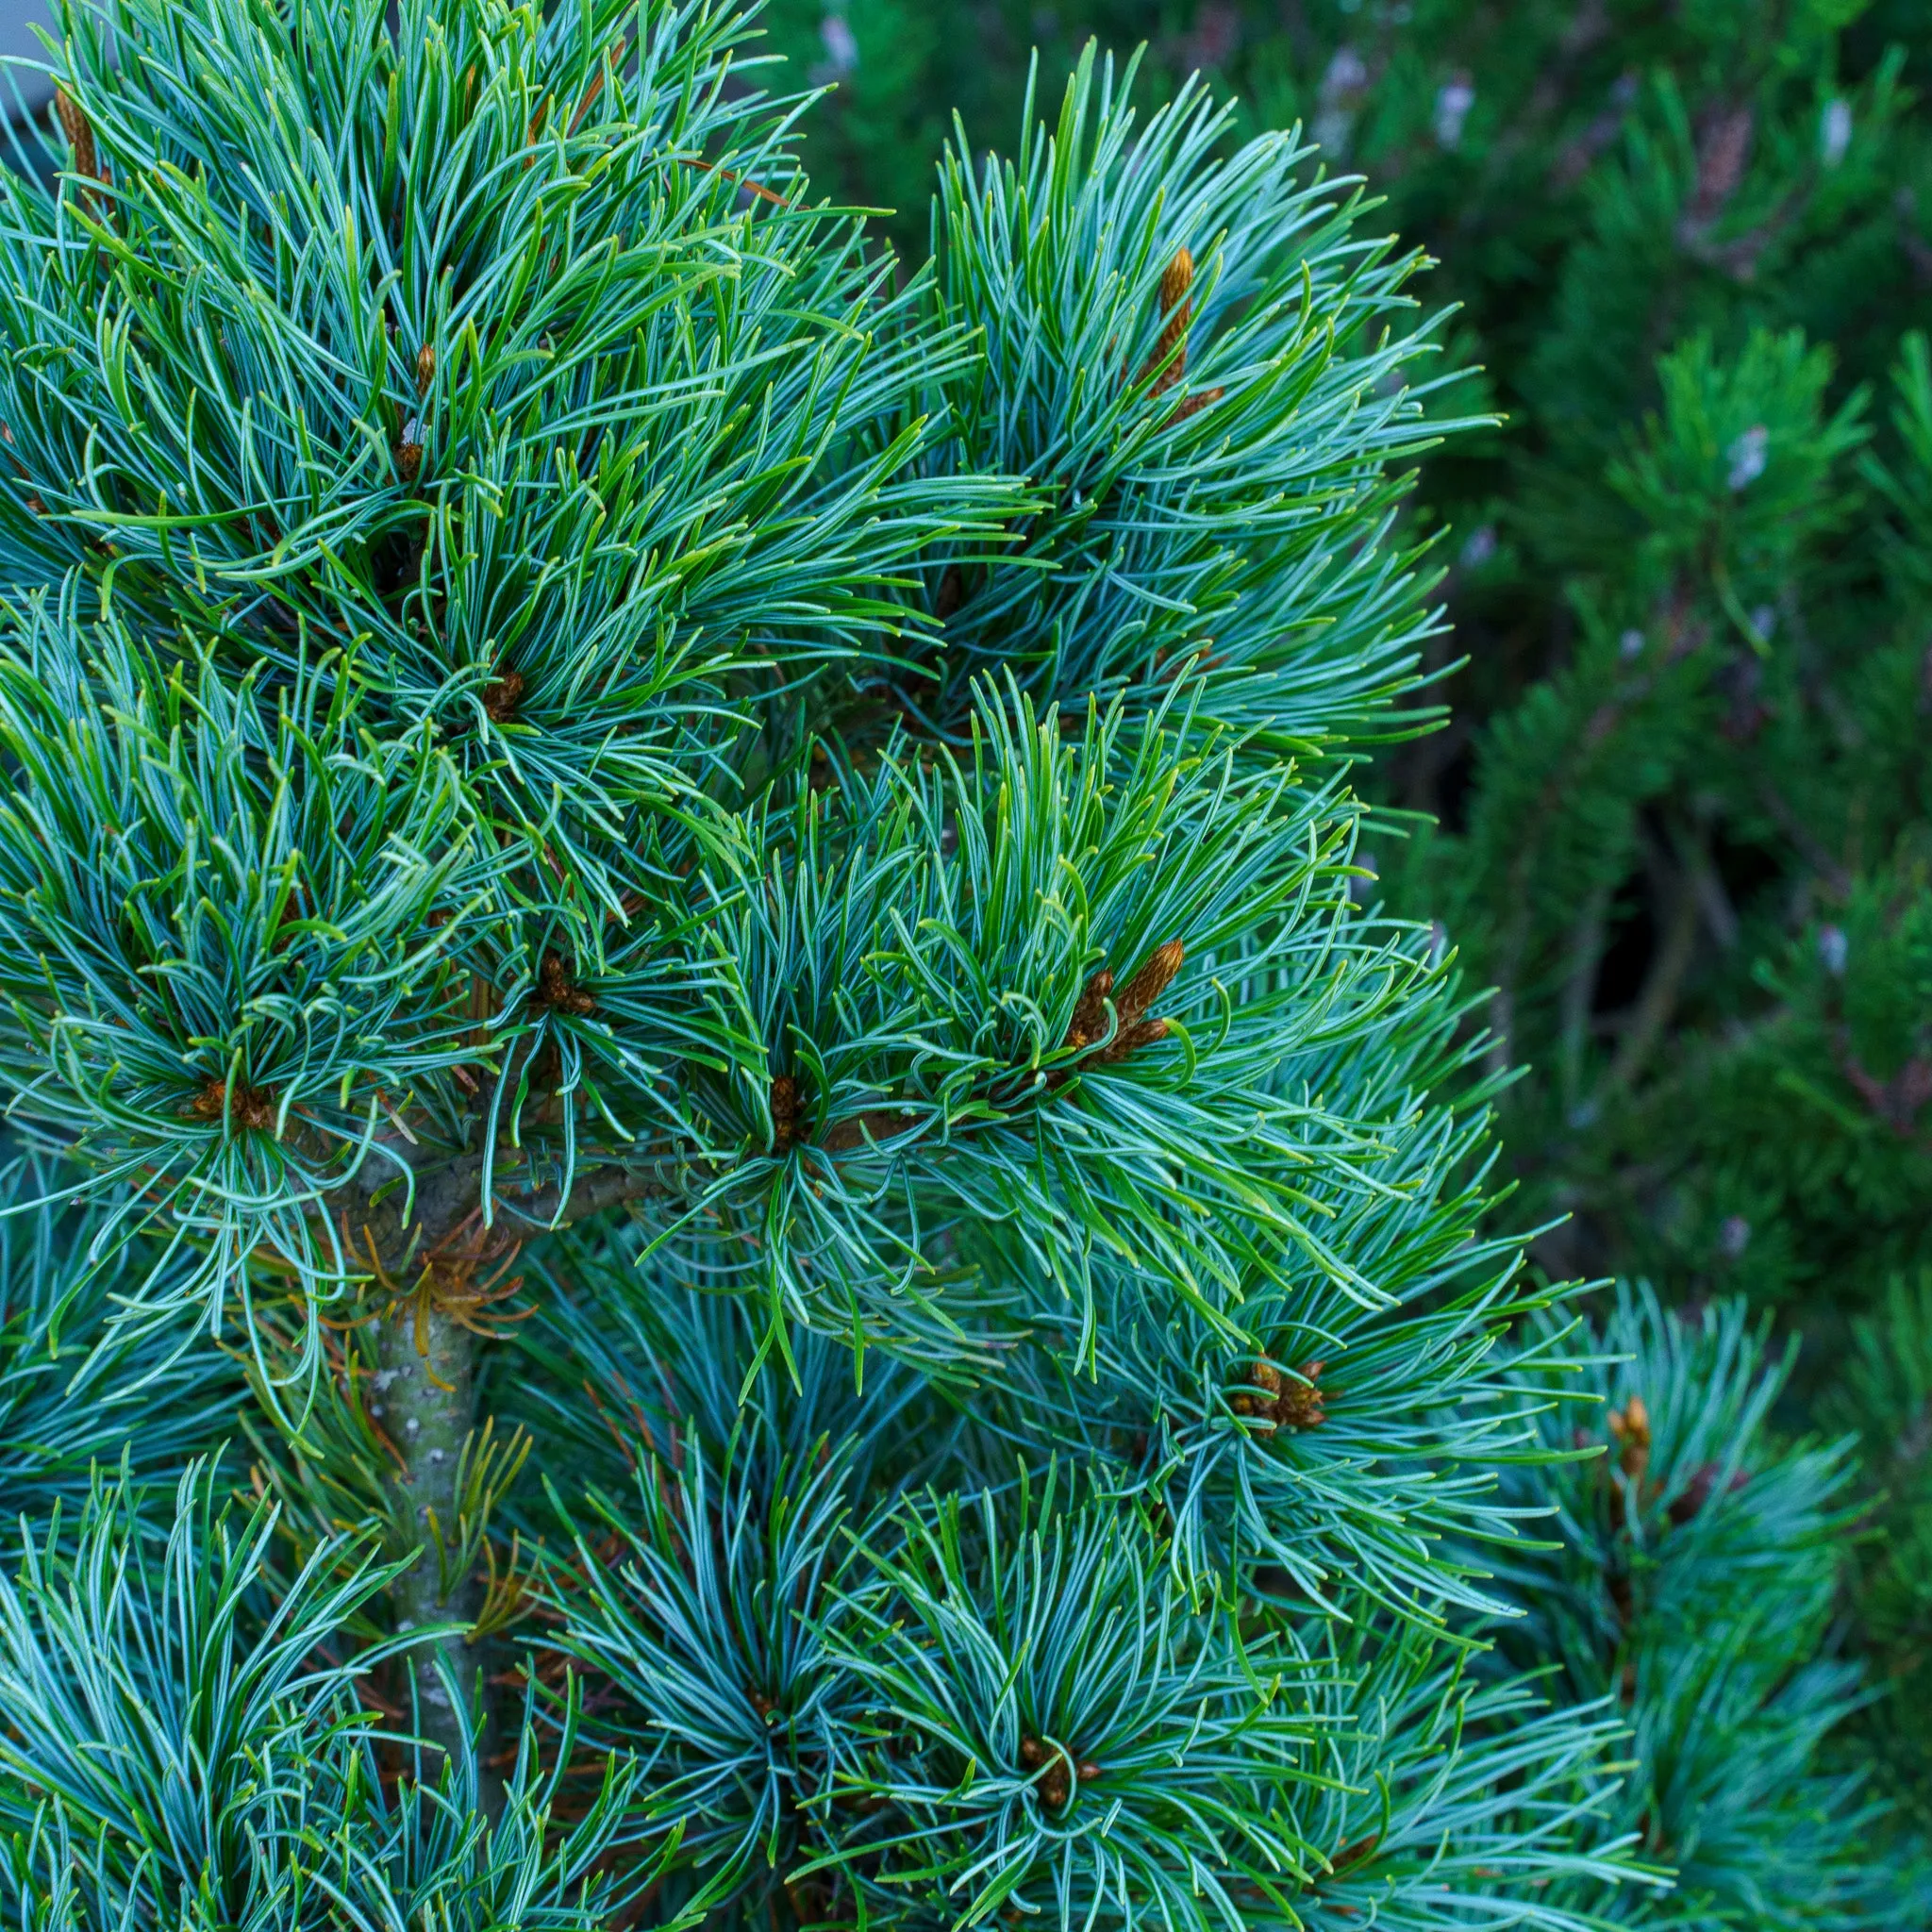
column 723, row 1210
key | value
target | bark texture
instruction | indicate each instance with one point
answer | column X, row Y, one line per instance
column 425, row 1374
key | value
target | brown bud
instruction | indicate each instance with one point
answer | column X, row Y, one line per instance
column 252, row 1108
column 1201, row 399
column 1088, row 1771
column 1301, row 1404
column 1142, row 1033
column 425, row 368
column 1176, row 280
column 1169, row 362
column 1089, row 1021
column 502, row 694
column 1151, row 981
column 1148, row 1033
column 556, row 989
column 1263, row 1405
column 788, row 1111
column 1630, row 1430
column 408, row 459
column 79, row 132
column 1089, row 1024
column 1050, row 1769
column 1090, row 1011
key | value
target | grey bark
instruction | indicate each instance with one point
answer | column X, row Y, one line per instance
column 429, row 1425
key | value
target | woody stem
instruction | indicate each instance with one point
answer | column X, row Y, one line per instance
column 425, row 1375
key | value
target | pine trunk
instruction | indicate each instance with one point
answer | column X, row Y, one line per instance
column 425, row 1374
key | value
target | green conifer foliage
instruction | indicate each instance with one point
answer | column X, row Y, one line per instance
column 731, row 1212
column 1691, row 1578
column 727, row 1214
column 76, row 1388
